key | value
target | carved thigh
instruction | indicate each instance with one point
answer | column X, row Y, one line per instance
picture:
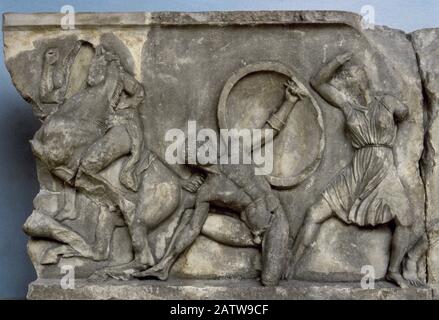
column 113, row 145
column 159, row 196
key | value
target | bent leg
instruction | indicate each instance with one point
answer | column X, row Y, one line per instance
column 107, row 221
column 142, row 250
column 44, row 226
column 314, row 217
column 183, row 239
column 400, row 243
column 215, row 188
column 410, row 264
column 159, row 198
column 401, row 239
column 113, row 145
column 414, row 255
column 419, row 249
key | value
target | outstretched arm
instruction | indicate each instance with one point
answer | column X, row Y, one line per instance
column 320, row 81
column 277, row 121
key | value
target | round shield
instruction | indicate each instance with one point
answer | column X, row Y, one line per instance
column 251, row 95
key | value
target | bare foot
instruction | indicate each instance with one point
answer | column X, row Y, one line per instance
column 125, row 272
column 417, row 283
column 397, row 278
column 121, row 272
column 159, row 271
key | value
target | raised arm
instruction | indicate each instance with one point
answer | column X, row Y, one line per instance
column 47, row 85
column 278, row 119
column 320, row 81
column 54, row 80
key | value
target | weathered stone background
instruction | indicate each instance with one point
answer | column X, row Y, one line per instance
column 426, row 45
column 183, row 60
column 175, row 61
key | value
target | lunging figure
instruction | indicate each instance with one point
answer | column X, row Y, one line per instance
column 368, row 191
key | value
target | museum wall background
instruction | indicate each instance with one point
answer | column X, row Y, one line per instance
column 18, row 183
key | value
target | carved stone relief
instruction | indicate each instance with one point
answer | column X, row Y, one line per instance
column 340, row 107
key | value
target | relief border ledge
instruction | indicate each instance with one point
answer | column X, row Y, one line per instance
column 28, row 21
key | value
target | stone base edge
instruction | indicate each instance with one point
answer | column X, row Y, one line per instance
column 43, row 289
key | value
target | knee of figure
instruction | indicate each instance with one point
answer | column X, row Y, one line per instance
column 407, row 221
column 137, row 239
column 137, row 244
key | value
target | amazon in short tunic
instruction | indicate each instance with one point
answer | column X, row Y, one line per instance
column 368, row 191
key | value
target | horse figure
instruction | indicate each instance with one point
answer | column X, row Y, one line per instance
column 62, row 143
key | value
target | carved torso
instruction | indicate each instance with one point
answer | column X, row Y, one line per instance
column 371, row 125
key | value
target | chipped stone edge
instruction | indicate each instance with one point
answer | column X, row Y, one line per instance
column 28, row 21
column 427, row 163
